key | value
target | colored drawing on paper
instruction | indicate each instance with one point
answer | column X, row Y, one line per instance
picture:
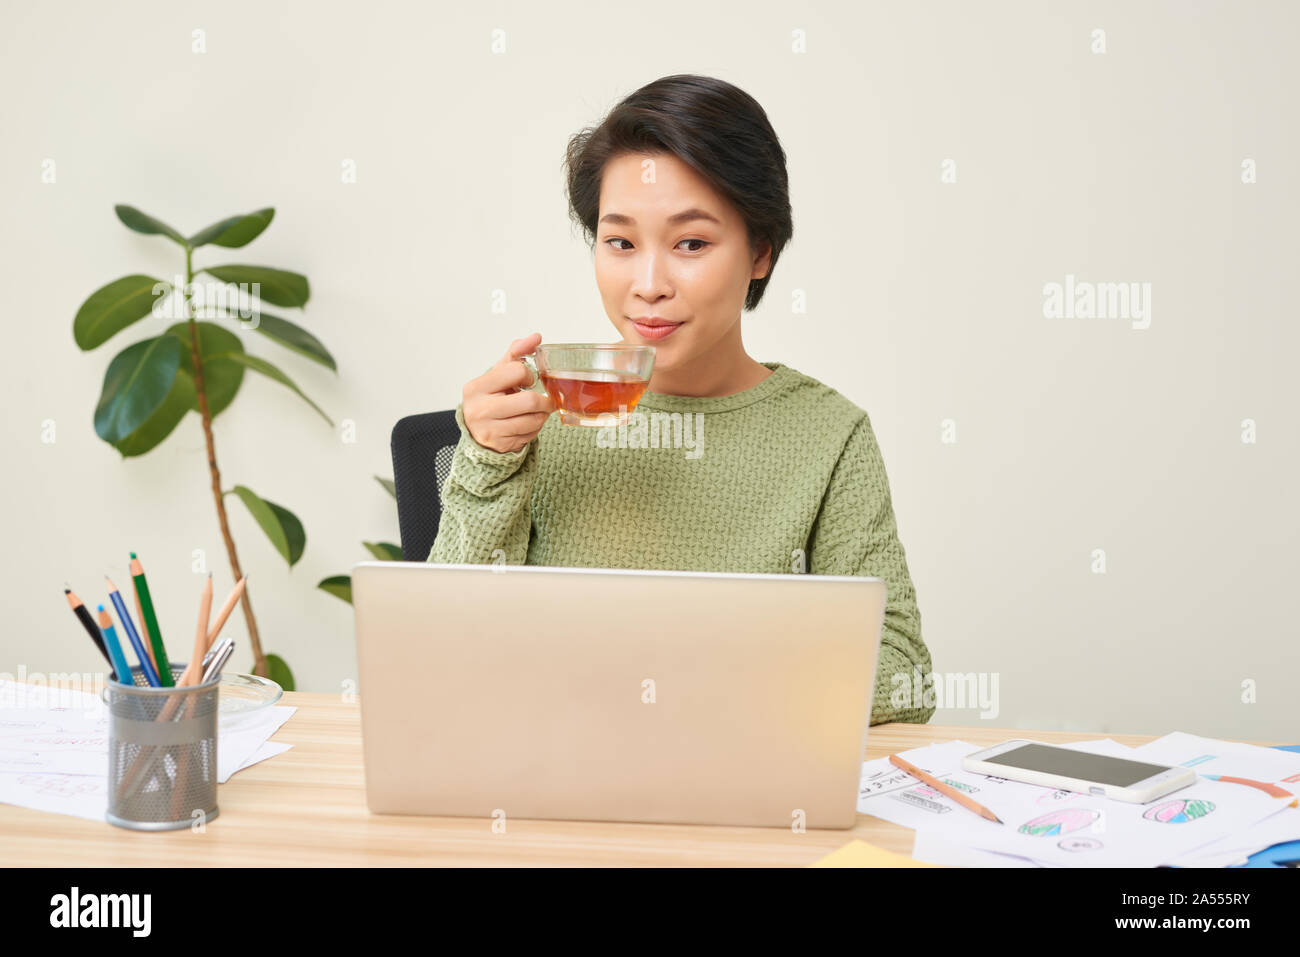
column 1062, row 821
column 928, row 791
column 1080, row 844
column 1179, row 811
column 1201, row 760
column 1056, row 797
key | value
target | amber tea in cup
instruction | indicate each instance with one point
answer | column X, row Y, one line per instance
column 596, row 385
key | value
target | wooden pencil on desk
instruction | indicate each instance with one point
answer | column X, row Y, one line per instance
column 946, row 789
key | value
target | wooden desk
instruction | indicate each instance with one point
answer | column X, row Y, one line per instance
column 307, row 807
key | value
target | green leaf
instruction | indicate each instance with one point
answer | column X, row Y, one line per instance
column 235, row 231
column 294, row 337
column 221, row 377
column 112, row 308
column 293, row 530
column 384, row 551
column 264, row 367
column 132, row 218
column 160, row 425
column 281, row 526
column 137, row 383
column 276, row 286
column 388, row 484
column 278, row 671
column 340, row 586
column 288, row 334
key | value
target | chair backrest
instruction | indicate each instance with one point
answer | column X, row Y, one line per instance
column 423, row 446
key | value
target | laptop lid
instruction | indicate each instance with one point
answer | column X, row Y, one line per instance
column 614, row 694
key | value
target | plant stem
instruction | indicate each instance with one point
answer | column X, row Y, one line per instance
column 259, row 659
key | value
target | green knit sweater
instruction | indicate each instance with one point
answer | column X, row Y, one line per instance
column 784, row 477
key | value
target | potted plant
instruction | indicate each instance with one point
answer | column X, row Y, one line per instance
column 197, row 365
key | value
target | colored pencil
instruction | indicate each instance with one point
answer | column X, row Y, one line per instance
column 139, row 616
column 134, row 636
column 942, row 788
column 83, row 615
column 149, row 622
column 120, row 666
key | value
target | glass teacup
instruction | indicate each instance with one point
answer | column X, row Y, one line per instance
column 596, row 385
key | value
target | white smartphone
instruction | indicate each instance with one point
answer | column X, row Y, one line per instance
column 1120, row 779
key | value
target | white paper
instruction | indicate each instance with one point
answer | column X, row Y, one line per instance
column 234, row 748
column 268, row 750
column 33, row 740
column 933, row 849
column 81, row 795
column 1059, row 827
column 1211, row 756
column 54, row 748
column 1235, row 848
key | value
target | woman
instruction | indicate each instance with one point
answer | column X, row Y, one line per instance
column 682, row 190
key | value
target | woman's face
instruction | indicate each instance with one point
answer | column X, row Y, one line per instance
column 673, row 261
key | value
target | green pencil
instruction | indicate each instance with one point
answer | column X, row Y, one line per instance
column 150, row 623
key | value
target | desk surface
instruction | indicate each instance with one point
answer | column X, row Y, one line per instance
column 307, row 808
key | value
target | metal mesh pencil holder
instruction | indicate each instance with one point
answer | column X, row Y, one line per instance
column 162, row 753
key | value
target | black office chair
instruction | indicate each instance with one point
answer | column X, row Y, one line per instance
column 423, row 446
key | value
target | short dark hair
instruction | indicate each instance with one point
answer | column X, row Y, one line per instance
column 714, row 127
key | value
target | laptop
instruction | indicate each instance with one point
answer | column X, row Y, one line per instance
column 613, row 694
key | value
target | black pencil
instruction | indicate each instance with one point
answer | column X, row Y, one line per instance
column 83, row 615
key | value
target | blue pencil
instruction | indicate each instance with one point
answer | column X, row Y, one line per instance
column 114, row 647
column 129, row 627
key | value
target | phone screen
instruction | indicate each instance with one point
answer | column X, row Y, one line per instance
column 1119, row 772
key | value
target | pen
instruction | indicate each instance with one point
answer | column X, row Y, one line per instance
column 942, row 788
column 149, row 622
column 116, row 657
column 83, row 615
column 220, row 656
column 145, row 664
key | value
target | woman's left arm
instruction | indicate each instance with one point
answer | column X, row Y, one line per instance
column 855, row 534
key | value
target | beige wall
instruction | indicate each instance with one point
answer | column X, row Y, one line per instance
column 925, row 301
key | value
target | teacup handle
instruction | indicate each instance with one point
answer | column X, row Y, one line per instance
column 531, row 364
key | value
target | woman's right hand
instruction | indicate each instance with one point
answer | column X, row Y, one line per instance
column 500, row 411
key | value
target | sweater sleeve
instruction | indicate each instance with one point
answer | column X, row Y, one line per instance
column 486, row 504
column 855, row 534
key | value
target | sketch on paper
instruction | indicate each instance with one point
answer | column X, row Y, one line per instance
column 1179, row 811
column 1062, row 821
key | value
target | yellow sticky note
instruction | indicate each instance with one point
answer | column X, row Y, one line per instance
column 861, row 854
